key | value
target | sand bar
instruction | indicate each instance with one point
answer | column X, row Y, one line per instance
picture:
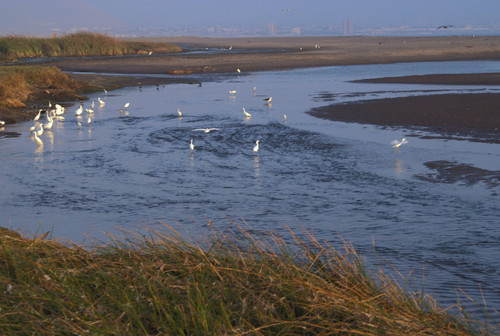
column 257, row 54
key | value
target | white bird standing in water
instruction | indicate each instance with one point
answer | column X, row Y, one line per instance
column 248, row 115
column 268, row 100
column 256, row 147
column 38, row 115
column 191, row 145
column 126, row 105
column 50, row 122
column 79, row 110
column 37, row 139
column 284, row 117
column 40, row 131
column 397, row 143
column 101, row 102
column 179, row 113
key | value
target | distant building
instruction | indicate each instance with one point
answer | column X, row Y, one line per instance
column 272, row 29
column 348, row 27
column 296, row 31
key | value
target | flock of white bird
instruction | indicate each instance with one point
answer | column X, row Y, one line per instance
column 55, row 113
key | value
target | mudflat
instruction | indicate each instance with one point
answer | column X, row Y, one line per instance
column 274, row 53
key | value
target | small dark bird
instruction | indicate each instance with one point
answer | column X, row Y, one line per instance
column 449, row 26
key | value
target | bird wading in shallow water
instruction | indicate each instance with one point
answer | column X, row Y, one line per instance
column 179, row 113
column 191, row 145
column 256, row 147
column 248, row 115
column 399, row 143
column 268, row 100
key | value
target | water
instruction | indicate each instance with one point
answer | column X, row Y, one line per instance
column 135, row 168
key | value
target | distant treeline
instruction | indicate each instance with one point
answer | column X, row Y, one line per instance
column 77, row 44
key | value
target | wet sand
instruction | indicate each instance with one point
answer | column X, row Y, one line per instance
column 275, row 53
column 450, row 115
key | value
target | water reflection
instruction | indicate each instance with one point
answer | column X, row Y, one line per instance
column 256, row 165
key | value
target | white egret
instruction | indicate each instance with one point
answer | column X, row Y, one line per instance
column 92, row 104
column 40, row 131
column 89, row 110
column 256, row 147
column 238, row 70
column 399, row 143
column 248, row 115
column 206, row 130
column 32, row 128
column 105, row 91
column 50, row 123
column 2, row 122
column 101, row 102
column 179, row 113
column 89, row 121
column 284, row 117
column 38, row 115
column 126, row 105
column 37, row 139
column 268, row 100
column 59, row 109
column 232, row 91
column 191, row 145
column 79, row 110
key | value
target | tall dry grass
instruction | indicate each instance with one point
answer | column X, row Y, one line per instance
column 18, row 83
column 74, row 45
column 229, row 283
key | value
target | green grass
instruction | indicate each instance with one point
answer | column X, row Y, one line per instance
column 77, row 44
column 228, row 283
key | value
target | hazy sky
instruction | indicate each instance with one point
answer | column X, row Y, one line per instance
column 35, row 16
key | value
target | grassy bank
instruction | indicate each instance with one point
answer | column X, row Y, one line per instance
column 21, row 86
column 231, row 283
column 78, row 44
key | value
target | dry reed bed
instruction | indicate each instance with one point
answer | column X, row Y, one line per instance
column 229, row 283
column 76, row 45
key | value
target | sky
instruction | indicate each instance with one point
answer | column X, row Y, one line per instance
column 39, row 17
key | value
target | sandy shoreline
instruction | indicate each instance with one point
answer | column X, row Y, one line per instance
column 258, row 54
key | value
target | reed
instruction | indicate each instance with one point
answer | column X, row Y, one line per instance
column 19, row 84
column 75, row 45
column 228, row 283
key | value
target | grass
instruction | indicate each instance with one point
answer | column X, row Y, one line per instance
column 75, row 45
column 228, row 283
column 22, row 84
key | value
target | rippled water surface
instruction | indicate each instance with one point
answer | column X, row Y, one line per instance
column 134, row 167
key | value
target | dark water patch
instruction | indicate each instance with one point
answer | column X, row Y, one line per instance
column 326, row 96
column 5, row 134
column 454, row 172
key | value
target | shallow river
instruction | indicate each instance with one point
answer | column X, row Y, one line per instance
column 135, row 167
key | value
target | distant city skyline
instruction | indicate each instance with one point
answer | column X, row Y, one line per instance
column 224, row 17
